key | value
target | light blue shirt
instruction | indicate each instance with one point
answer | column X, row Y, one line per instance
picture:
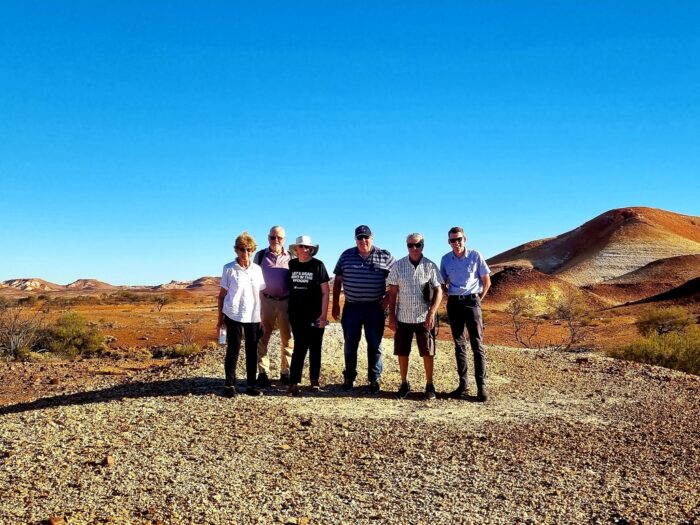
column 463, row 273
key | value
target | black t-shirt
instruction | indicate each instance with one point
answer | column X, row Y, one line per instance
column 305, row 281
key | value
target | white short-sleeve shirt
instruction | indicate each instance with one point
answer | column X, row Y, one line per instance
column 242, row 302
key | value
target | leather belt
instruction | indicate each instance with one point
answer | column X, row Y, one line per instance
column 275, row 298
column 465, row 297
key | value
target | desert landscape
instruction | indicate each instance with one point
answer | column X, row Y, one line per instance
column 138, row 432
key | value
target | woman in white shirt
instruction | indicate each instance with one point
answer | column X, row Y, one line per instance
column 239, row 310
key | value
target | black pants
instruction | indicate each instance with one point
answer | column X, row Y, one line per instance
column 235, row 332
column 465, row 318
column 307, row 338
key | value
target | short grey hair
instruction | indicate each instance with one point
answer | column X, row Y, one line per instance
column 417, row 236
column 278, row 228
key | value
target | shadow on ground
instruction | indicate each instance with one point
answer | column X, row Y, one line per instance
column 197, row 386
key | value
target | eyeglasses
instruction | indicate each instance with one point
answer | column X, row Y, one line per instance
column 416, row 245
column 305, row 248
column 455, row 239
column 244, row 249
column 273, row 237
column 362, row 237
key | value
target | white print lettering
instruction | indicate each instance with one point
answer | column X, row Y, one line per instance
column 302, row 277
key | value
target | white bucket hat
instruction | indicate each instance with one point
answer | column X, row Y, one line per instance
column 304, row 240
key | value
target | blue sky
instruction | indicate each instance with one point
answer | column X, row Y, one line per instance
column 137, row 139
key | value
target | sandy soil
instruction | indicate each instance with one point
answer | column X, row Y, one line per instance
column 565, row 438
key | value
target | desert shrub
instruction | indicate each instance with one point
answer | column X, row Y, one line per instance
column 20, row 329
column 175, row 351
column 161, row 301
column 663, row 320
column 677, row 350
column 530, row 310
column 28, row 301
column 71, row 336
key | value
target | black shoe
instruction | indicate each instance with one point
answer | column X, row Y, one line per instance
column 263, row 381
column 404, row 390
column 252, row 391
column 230, row 391
column 457, row 393
column 348, row 385
column 374, row 387
column 284, row 379
column 482, row 395
column 429, row 391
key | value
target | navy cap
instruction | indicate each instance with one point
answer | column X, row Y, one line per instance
column 362, row 230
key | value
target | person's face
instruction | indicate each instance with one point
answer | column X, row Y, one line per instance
column 304, row 253
column 244, row 254
column 457, row 242
column 415, row 248
column 276, row 239
column 364, row 243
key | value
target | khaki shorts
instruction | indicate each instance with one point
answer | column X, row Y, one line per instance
column 404, row 336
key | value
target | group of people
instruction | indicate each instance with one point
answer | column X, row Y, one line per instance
column 289, row 291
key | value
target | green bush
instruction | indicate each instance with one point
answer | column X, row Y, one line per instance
column 663, row 320
column 179, row 350
column 71, row 336
column 677, row 350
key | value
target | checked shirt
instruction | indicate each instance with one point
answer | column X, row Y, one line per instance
column 411, row 307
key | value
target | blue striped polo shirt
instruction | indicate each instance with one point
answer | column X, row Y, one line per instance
column 364, row 280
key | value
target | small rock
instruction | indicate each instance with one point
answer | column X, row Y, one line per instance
column 57, row 520
column 108, row 461
column 54, row 381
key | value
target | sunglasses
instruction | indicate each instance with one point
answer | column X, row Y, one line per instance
column 305, row 248
column 456, row 239
column 244, row 249
column 273, row 237
column 417, row 245
column 362, row 237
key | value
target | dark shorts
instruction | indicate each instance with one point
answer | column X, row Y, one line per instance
column 404, row 336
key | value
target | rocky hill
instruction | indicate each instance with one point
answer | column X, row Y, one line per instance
column 90, row 285
column 609, row 246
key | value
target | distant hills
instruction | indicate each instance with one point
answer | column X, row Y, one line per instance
column 621, row 256
column 203, row 284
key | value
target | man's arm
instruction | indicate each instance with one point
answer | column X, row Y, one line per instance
column 220, row 303
column 486, row 281
column 391, row 305
column 437, row 298
column 325, row 292
column 337, row 288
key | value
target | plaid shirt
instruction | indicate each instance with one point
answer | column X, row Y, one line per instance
column 411, row 307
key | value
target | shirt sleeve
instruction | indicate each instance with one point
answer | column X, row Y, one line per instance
column 225, row 279
column 323, row 273
column 338, row 270
column 483, row 267
column 435, row 278
column 393, row 276
column 260, row 278
column 443, row 270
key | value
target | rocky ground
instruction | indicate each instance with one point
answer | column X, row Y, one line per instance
column 566, row 438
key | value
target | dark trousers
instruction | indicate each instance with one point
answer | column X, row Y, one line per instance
column 309, row 339
column 235, row 332
column 465, row 318
column 355, row 317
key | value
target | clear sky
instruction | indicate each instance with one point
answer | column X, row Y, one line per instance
column 137, row 139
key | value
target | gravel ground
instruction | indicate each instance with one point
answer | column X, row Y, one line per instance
column 565, row 438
